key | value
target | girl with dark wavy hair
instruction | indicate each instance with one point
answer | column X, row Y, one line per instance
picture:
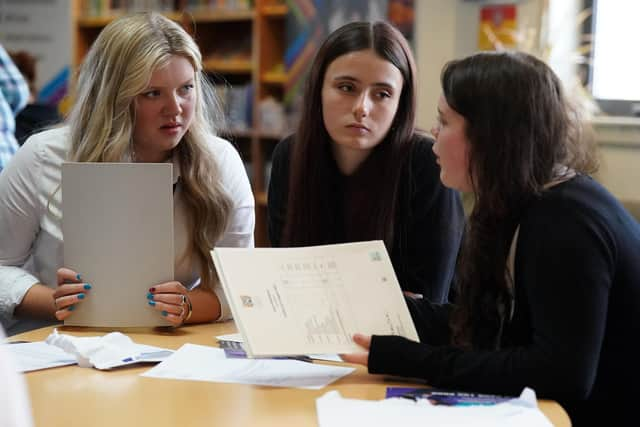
column 548, row 276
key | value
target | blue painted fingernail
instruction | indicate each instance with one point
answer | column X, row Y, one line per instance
column 150, row 296
column 152, row 303
column 70, row 308
column 164, row 313
column 78, row 276
column 80, row 296
column 87, row 286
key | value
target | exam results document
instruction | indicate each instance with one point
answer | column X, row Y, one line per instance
column 309, row 300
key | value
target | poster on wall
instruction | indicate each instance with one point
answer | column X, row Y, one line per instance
column 497, row 27
column 309, row 22
column 42, row 29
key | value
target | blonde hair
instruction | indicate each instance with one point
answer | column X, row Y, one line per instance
column 117, row 68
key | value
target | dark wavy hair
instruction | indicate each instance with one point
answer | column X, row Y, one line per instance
column 311, row 204
column 520, row 127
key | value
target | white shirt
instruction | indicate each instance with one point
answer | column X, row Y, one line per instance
column 31, row 243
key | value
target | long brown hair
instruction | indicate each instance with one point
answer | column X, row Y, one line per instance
column 520, row 127
column 311, row 204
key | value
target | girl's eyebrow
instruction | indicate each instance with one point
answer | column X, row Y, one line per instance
column 188, row 81
column 353, row 79
column 346, row 77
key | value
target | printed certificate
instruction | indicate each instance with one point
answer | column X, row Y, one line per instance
column 292, row 301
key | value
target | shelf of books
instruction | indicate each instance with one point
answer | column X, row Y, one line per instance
column 274, row 77
column 274, row 10
column 228, row 66
column 221, row 14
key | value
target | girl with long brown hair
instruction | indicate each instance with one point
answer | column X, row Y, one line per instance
column 357, row 169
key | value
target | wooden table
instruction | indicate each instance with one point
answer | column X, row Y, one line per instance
column 70, row 395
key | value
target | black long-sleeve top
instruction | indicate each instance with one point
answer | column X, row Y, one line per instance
column 429, row 217
column 577, row 312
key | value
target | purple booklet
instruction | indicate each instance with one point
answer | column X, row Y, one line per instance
column 232, row 349
column 446, row 397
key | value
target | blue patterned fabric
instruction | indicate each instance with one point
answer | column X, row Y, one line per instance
column 14, row 94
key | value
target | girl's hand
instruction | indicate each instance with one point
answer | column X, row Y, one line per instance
column 171, row 299
column 363, row 341
column 70, row 292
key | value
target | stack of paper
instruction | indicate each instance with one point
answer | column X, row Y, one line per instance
column 203, row 363
column 232, row 345
column 33, row 356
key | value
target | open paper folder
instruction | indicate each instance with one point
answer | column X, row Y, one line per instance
column 309, row 300
column 118, row 234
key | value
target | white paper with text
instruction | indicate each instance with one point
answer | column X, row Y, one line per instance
column 292, row 301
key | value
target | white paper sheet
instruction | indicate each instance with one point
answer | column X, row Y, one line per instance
column 335, row 411
column 203, row 363
column 33, row 356
column 15, row 410
column 315, row 297
column 118, row 234
column 326, row 357
column 230, row 337
column 108, row 351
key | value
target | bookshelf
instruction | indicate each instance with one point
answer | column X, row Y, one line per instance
column 243, row 50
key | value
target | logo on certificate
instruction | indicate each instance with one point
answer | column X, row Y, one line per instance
column 375, row 256
column 247, row 301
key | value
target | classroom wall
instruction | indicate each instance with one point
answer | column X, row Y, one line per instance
column 435, row 45
column 43, row 29
column 447, row 29
column 619, row 145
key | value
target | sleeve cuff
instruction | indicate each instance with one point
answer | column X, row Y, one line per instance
column 395, row 355
column 15, row 284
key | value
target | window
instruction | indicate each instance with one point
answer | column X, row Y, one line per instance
column 614, row 72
